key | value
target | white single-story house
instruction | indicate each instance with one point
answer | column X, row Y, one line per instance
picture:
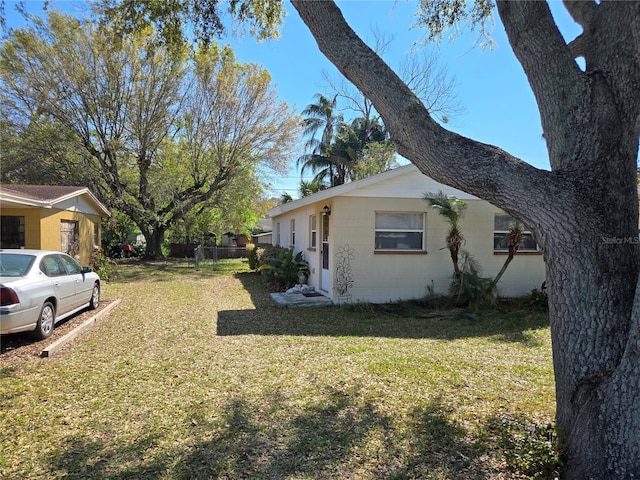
column 376, row 240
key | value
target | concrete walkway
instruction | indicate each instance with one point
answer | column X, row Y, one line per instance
column 283, row 300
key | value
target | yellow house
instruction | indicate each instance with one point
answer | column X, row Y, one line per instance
column 46, row 217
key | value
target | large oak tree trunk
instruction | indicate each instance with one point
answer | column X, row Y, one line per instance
column 154, row 239
column 584, row 212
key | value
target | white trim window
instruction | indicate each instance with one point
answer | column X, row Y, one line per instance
column 292, row 230
column 96, row 235
column 399, row 231
column 501, row 225
column 278, row 233
column 313, row 231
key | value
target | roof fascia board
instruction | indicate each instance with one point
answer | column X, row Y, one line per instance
column 338, row 190
column 32, row 202
column 50, row 203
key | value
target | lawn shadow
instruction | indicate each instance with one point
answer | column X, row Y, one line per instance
column 340, row 433
column 83, row 457
column 409, row 319
column 337, row 321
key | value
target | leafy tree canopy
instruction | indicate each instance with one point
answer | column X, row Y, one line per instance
column 166, row 134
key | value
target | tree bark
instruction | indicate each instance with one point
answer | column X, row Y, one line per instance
column 154, row 239
column 584, row 213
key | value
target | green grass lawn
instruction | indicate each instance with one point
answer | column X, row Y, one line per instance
column 198, row 375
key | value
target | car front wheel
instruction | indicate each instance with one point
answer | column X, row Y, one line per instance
column 44, row 327
column 95, row 297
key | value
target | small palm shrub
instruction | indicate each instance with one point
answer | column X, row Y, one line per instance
column 469, row 289
column 283, row 269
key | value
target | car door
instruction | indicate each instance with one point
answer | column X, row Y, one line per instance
column 64, row 285
column 83, row 287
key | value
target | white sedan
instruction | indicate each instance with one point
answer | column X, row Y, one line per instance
column 40, row 288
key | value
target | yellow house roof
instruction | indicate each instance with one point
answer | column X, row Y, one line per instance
column 46, row 196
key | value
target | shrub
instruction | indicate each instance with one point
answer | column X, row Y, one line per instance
column 103, row 265
column 469, row 289
column 265, row 253
column 284, row 268
column 530, row 450
column 252, row 256
column 536, row 299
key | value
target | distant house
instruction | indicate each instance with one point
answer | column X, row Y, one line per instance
column 231, row 239
column 263, row 234
column 61, row 218
column 376, row 240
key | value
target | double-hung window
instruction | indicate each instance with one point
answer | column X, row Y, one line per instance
column 502, row 224
column 399, row 231
column 313, row 231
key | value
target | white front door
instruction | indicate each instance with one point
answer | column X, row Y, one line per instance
column 324, row 252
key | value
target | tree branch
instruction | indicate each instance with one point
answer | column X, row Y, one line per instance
column 554, row 76
column 482, row 170
column 582, row 11
column 578, row 46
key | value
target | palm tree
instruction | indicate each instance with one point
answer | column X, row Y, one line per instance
column 452, row 209
column 320, row 116
column 286, row 198
column 515, row 237
column 310, row 187
column 320, row 123
column 335, row 147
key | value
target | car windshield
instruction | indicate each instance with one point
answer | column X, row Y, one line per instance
column 15, row 264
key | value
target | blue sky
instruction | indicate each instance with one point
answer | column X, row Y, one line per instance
column 499, row 107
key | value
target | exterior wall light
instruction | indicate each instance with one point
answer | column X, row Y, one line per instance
column 326, row 210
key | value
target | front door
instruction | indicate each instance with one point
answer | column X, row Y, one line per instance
column 324, row 275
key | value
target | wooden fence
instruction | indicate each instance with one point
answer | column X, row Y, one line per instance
column 185, row 250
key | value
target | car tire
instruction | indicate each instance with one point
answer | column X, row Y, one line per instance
column 95, row 297
column 46, row 321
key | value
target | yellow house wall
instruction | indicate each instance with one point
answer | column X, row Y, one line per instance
column 31, row 224
column 51, row 231
column 42, row 229
column 386, row 277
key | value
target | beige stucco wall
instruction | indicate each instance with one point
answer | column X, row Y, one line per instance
column 383, row 277
column 302, row 234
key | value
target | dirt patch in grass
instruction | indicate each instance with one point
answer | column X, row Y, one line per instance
column 17, row 345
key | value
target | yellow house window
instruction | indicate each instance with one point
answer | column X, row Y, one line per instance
column 11, row 231
column 96, row 235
